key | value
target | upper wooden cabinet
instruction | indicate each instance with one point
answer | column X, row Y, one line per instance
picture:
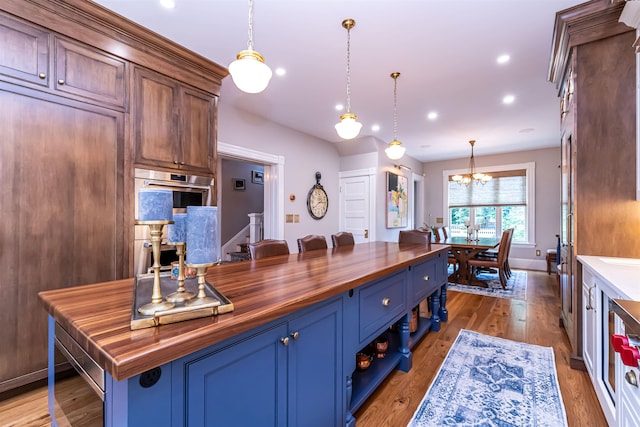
column 77, row 70
column 24, row 57
column 89, row 73
column 174, row 123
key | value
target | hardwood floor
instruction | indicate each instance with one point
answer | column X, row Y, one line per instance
column 534, row 321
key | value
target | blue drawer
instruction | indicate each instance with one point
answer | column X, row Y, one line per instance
column 424, row 280
column 380, row 304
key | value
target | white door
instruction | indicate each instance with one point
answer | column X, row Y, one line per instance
column 355, row 207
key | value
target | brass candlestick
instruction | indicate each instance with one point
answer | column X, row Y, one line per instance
column 157, row 303
column 201, row 298
column 181, row 294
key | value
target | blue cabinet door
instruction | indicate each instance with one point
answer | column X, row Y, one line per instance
column 240, row 385
column 315, row 367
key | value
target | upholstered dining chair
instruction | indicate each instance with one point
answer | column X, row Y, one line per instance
column 312, row 242
column 499, row 263
column 268, row 248
column 414, row 237
column 343, row 238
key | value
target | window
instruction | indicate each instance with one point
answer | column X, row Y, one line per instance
column 504, row 202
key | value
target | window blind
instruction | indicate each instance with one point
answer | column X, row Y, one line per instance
column 506, row 188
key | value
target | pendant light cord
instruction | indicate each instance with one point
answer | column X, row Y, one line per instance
column 348, row 70
column 395, row 109
column 250, row 43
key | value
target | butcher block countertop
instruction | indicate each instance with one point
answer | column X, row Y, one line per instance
column 98, row 316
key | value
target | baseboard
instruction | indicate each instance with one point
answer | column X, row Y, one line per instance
column 528, row 264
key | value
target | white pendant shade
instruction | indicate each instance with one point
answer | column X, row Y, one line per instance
column 395, row 150
column 348, row 127
column 249, row 72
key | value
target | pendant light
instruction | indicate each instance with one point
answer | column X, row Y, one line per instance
column 472, row 175
column 395, row 150
column 348, row 127
column 249, row 72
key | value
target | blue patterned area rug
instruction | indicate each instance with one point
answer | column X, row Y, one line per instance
column 516, row 286
column 489, row 381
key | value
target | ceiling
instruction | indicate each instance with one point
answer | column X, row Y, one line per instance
column 445, row 50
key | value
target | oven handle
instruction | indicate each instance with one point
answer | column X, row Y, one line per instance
column 175, row 184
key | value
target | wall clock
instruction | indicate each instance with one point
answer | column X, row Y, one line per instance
column 317, row 200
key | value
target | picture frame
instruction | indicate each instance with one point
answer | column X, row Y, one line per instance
column 257, row 177
column 239, row 184
column 397, row 201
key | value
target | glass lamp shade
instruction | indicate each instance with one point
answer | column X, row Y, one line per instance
column 395, row 150
column 249, row 72
column 348, row 127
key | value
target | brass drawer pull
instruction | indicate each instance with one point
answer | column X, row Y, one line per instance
column 386, row 301
column 631, row 378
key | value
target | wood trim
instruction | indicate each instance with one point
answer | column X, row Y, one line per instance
column 103, row 29
column 582, row 24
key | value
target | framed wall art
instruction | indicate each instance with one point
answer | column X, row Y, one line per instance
column 257, row 177
column 397, row 211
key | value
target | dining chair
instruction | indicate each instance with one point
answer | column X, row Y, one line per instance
column 445, row 231
column 497, row 263
column 312, row 242
column 414, row 237
column 268, row 248
column 343, row 238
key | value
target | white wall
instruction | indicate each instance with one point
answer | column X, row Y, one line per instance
column 547, row 189
column 304, row 155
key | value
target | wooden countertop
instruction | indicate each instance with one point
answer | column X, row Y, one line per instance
column 98, row 316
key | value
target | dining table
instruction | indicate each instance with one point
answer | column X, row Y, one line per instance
column 463, row 249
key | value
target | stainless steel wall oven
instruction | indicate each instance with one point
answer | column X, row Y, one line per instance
column 188, row 190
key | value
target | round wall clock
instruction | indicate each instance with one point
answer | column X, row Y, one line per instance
column 317, row 200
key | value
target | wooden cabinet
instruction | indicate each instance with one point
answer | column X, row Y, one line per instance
column 89, row 74
column 25, row 53
column 288, row 374
column 41, row 59
column 67, row 167
column 174, row 124
column 61, row 203
column 593, row 67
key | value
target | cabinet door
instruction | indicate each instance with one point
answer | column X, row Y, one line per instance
column 24, row 56
column 61, row 205
column 156, row 109
column 89, row 73
column 315, row 367
column 198, row 131
column 243, row 384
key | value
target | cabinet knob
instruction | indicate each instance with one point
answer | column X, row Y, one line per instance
column 295, row 335
column 175, row 162
column 386, row 301
column 631, row 378
column 182, row 163
column 61, row 82
column 284, row 341
column 42, row 76
column 426, row 278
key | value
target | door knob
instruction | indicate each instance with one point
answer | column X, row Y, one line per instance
column 366, row 234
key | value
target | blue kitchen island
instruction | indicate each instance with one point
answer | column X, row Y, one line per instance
column 286, row 354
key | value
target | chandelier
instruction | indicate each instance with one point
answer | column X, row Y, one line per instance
column 472, row 176
column 348, row 127
column 395, row 150
column 249, row 72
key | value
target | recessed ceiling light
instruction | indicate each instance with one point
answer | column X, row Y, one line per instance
column 503, row 59
column 508, row 99
column 432, row 115
column 280, row 71
column 168, row 4
column 375, row 128
column 339, row 107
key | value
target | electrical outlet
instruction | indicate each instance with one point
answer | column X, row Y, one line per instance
column 537, row 252
column 296, row 218
column 289, row 218
column 439, row 220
